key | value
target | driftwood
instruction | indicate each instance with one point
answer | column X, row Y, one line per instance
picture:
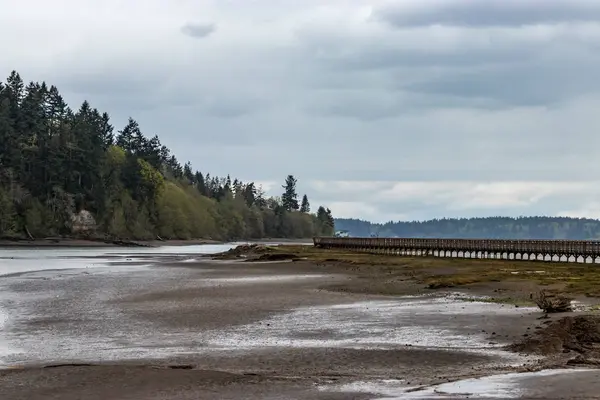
column 552, row 303
column 29, row 235
column 126, row 243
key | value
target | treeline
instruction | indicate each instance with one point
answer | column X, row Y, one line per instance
column 488, row 228
column 65, row 171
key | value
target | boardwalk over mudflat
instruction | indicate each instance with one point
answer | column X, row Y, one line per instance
column 507, row 249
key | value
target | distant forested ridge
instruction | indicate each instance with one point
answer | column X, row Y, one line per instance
column 65, row 172
column 489, row 228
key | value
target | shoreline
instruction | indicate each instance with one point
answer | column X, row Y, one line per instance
column 82, row 243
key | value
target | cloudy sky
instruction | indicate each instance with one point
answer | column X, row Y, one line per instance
column 383, row 110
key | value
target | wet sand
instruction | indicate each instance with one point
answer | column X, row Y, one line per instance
column 190, row 328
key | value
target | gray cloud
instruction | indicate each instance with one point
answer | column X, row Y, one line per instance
column 109, row 82
column 488, row 13
column 416, row 49
column 385, row 57
column 330, row 94
column 540, row 82
column 198, row 30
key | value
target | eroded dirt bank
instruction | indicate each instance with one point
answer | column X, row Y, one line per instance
column 193, row 329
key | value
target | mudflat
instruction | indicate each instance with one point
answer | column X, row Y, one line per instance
column 197, row 328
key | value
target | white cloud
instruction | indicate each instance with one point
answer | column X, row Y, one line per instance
column 587, row 210
column 365, row 211
column 384, row 201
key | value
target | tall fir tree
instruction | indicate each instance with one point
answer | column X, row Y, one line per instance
column 305, row 205
column 289, row 198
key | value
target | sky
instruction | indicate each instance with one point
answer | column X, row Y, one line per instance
column 383, row 110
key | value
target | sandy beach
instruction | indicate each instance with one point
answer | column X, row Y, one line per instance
column 173, row 324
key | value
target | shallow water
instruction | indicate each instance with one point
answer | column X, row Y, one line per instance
column 20, row 260
column 55, row 264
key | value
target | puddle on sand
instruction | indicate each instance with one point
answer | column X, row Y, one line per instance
column 5, row 348
column 503, row 386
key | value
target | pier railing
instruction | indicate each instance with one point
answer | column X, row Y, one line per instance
column 549, row 250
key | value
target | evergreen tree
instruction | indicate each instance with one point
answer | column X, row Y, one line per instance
column 250, row 194
column 305, row 205
column 106, row 132
column 187, row 173
column 330, row 221
column 326, row 221
column 174, row 167
column 200, row 183
column 289, row 198
column 129, row 138
column 55, row 162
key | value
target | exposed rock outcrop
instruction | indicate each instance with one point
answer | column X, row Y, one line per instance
column 83, row 222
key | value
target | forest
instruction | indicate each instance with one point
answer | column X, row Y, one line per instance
column 475, row 228
column 68, row 173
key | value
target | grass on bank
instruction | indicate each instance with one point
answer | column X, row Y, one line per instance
column 436, row 272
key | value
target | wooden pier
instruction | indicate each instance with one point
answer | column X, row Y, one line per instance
column 543, row 250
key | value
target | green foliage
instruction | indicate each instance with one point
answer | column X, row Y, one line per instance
column 151, row 180
column 55, row 162
column 115, row 156
column 489, row 228
column 36, row 219
column 183, row 214
column 7, row 214
column 117, row 224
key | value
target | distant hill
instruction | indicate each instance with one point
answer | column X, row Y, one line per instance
column 488, row 228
